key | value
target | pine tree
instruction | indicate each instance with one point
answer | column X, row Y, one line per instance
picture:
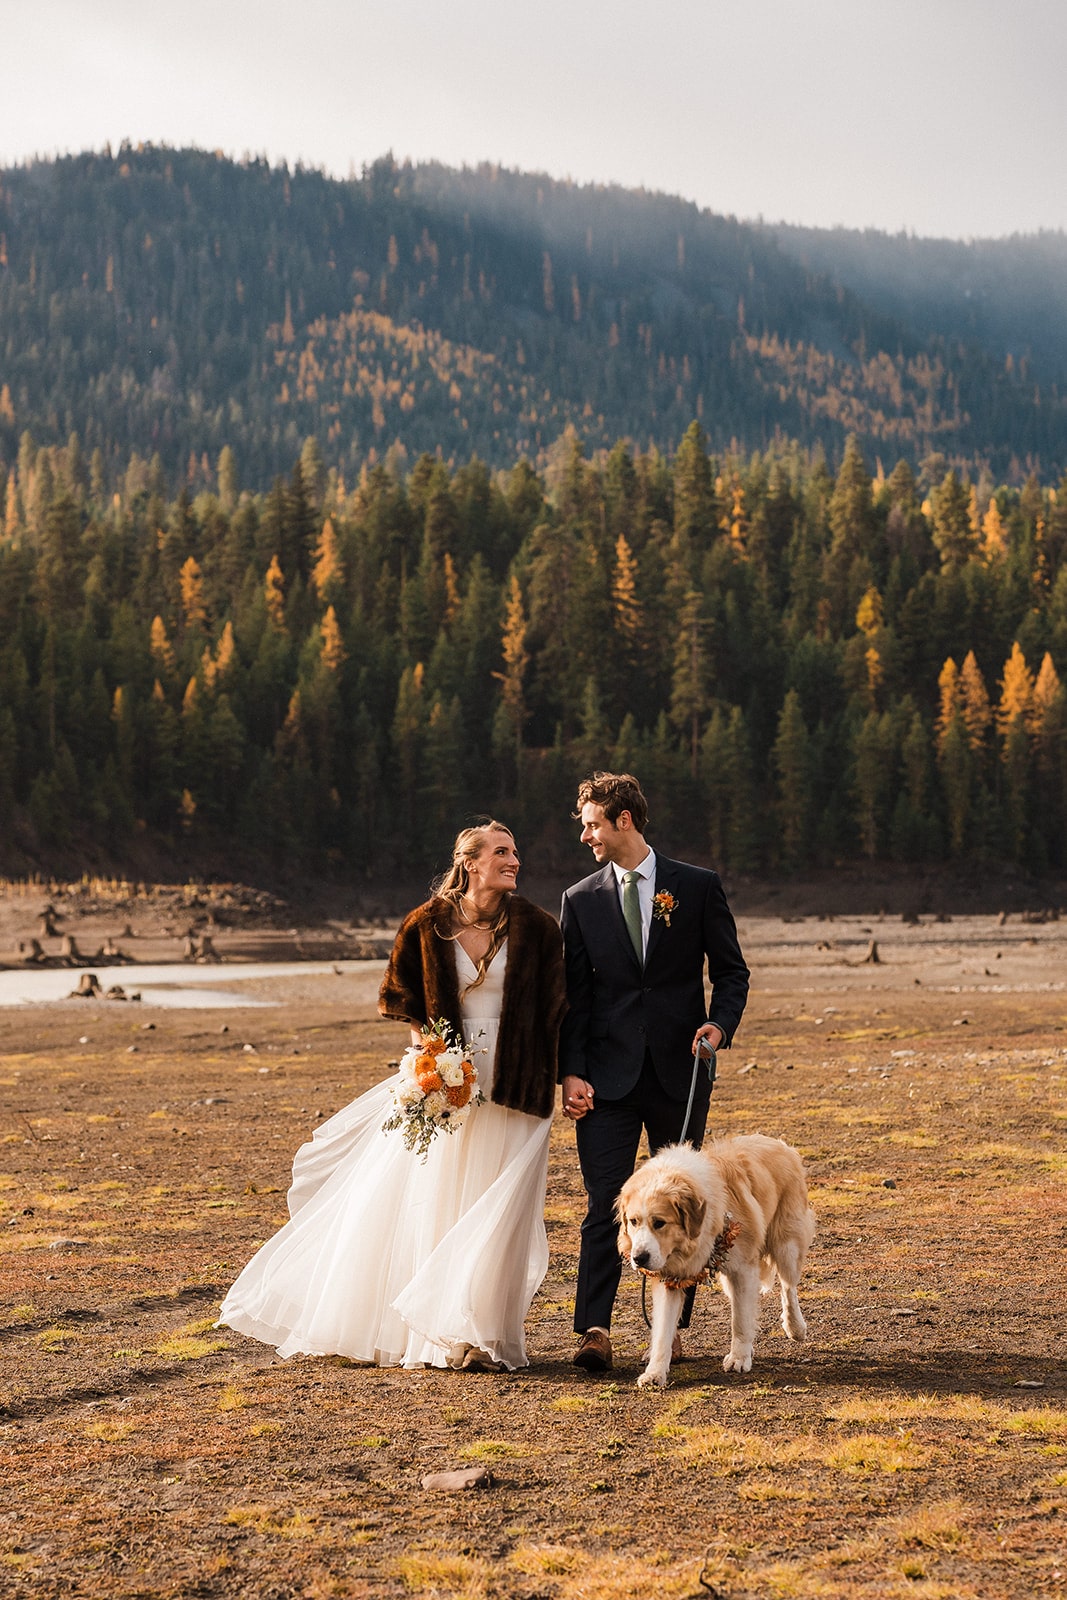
column 408, row 733
column 512, row 707
column 742, row 839
column 694, row 496
column 851, row 521
column 689, row 695
column 791, row 760
column 954, row 762
column 872, row 754
column 955, row 539
column 715, row 772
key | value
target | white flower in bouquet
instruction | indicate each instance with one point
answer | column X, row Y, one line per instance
column 450, row 1066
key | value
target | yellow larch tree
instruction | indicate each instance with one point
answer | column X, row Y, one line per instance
column 226, row 650
column 160, row 645
column 192, row 591
column 516, row 659
column 948, row 688
column 737, row 518
column 334, row 653
column 328, row 572
column 274, row 594
column 1016, row 692
column 994, row 534
column 1046, row 691
column 626, row 605
column 974, row 702
column 452, row 599
column 869, row 613
column 12, row 511
column 208, row 670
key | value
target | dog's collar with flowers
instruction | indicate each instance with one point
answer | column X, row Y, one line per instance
column 716, row 1261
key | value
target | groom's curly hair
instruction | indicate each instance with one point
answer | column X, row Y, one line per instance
column 616, row 792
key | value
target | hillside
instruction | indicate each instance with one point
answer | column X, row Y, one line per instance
column 175, row 302
column 1003, row 294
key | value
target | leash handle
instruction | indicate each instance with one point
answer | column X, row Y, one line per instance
column 704, row 1052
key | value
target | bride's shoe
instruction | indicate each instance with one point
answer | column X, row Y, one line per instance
column 481, row 1361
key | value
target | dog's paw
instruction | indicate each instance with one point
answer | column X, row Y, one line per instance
column 656, row 1380
column 794, row 1327
column 737, row 1361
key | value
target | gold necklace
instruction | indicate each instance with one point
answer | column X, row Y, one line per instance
column 471, row 922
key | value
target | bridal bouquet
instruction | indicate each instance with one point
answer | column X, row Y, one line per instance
column 435, row 1088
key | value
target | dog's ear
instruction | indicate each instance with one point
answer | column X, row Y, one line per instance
column 620, row 1217
column 692, row 1209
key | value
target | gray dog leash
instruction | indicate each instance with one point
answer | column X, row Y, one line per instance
column 704, row 1052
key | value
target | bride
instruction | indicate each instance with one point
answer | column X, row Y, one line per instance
column 392, row 1260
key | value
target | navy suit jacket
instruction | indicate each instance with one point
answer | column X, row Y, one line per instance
column 619, row 1008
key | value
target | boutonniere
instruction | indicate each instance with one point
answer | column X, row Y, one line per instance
column 663, row 904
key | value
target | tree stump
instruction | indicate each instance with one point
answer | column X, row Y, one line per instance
column 872, row 958
column 68, row 950
column 88, row 988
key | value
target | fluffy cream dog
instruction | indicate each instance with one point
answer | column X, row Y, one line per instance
column 737, row 1209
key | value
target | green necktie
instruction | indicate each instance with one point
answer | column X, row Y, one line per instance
column 631, row 911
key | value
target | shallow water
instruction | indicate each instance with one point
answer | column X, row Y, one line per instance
column 173, row 984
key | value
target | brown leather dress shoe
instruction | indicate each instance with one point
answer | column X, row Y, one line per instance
column 594, row 1352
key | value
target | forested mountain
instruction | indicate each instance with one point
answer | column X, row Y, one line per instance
column 172, row 303
column 1007, row 295
column 804, row 667
column 333, row 511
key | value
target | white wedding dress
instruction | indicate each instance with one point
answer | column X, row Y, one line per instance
column 392, row 1260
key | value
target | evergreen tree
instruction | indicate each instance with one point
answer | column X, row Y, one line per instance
column 792, row 768
column 953, row 534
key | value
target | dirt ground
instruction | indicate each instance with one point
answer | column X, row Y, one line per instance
column 916, row 1444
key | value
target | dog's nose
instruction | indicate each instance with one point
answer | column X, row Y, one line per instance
column 640, row 1258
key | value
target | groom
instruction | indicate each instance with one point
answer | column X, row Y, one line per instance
column 636, row 934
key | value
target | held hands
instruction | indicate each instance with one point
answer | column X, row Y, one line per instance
column 578, row 1092
column 577, row 1097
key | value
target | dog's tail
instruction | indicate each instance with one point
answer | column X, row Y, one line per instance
column 791, row 1230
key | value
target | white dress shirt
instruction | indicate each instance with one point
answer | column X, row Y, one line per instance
column 646, row 888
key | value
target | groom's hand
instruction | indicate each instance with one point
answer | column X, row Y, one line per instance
column 712, row 1033
column 577, row 1097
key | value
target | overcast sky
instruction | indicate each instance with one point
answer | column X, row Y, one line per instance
column 941, row 117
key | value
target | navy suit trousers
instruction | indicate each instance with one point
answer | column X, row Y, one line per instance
column 608, row 1140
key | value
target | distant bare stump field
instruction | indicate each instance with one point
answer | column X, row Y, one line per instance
column 915, row 1445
